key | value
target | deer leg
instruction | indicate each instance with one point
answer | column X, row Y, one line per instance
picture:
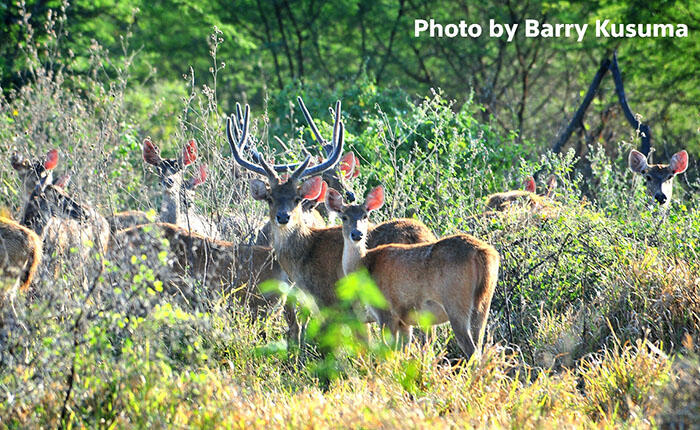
column 462, row 329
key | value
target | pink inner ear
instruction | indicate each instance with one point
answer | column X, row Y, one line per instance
column 324, row 189
column 51, row 159
column 530, row 185
column 151, row 153
column 334, row 200
column 311, row 189
column 189, row 153
column 202, row 176
column 679, row 162
column 347, row 165
column 375, row 199
column 356, row 172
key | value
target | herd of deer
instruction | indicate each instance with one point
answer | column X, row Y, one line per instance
column 453, row 277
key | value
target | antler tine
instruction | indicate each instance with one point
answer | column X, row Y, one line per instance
column 241, row 142
column 310, row 121
column 333, row 159
column 336, row 124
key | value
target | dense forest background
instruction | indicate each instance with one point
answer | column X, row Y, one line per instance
column 366, row 52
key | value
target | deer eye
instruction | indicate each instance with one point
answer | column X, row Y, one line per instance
column 297, row 199
column 344, row 217
column 364, row 216
column 648, row 177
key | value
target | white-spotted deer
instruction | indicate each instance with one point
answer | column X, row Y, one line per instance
column 217, row 265
column 62, row 223
column 659, row 177
column 453, row 278
column 177, row 206
column 20, row 253
column 311, row 257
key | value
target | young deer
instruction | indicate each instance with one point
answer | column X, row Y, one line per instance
column 453, row 278
column 20, row 252
column 311, row 257
column 178, row 194
column 527, row 196
column 659, row 177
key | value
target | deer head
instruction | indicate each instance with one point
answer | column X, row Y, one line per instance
column 284, row 195
column 35, row 175
column 659, row 177
column 355, row 217
column 170, row 170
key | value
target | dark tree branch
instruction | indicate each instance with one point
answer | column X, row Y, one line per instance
column 634, row 122
column 578, row 116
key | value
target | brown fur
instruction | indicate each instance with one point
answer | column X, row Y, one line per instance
column 453, row 278
column 126, row 219
column 214, row 262
column 20, row 253
column 508, row 199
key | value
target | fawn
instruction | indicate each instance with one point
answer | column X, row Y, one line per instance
column 452, row 278
column 659, row 177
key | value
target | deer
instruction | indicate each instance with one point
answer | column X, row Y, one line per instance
column 61, row 222
column 659, row 177
column 348, row 169
column 218, row 264
column 310, row 256
column 178, row 194
column 527, row 196
column 21, row 251
column 452, row 278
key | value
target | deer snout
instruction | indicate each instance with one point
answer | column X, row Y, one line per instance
column 282, row 217
column 660, row 197
column 356, row 235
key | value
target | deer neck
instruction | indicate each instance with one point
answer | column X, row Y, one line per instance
column 353, row 253
column 171, row 208
column 291, row 240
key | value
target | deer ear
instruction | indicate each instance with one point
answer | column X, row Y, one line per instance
column 334, row 201
column 679, row 162
column 151, row 153
column 530, row 185
column 51, row 159
column 375, row 199
column 347, row 165
column 311, row 188
column 201, row 176
column 356, row 172
column 324, row 190
column 259, row 189
column 189, row 152
column 637, row 161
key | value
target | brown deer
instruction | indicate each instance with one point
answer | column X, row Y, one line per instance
column 20, row 253
column 527, row 196
column 177, row 206
column 218, row 265
column 348, row 169
column 453, row 278
column 659, row 177
column 311, row 257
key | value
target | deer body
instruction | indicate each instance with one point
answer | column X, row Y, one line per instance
column 526, row 197
column 20, row 252
column 453, row 278
column 126, row 219
column 217, row 263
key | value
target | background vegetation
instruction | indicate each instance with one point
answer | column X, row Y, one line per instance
column 596, row 318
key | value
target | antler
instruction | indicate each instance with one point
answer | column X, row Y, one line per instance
column 262, row 167
column 327, row 148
